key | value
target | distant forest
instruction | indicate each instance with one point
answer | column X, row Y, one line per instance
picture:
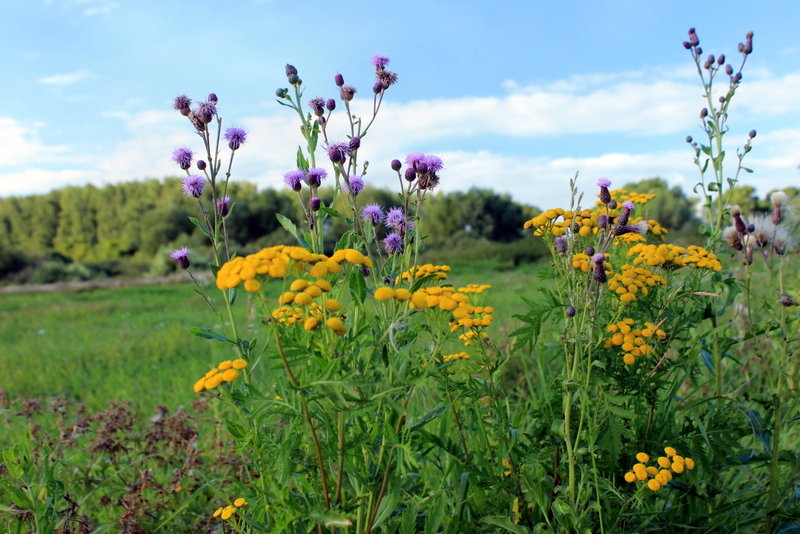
column 129, row 228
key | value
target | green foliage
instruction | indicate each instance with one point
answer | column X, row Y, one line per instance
column 670, row 207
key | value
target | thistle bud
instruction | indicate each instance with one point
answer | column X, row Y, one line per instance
column 721, row 59
column 747, row 48
column 693, row 40
column 689, row 139
column 561, row 246
column 571, row 311
column 738, row 222
column 703, row 113
column 729, row 70
column 354, row 143
column 338, row 80
column 589, row 251
column 751, row 134
column 365, row 271
column 410, row 174
column 201, row 164
column 377, row 87
column 612, row 205
column 315, row 203
column 294, row 79
column 396, row 165
column 787, row 300
column 290, row 70
column 212, row 97
column 330, row 104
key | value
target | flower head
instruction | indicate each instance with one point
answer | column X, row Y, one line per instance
column 235, row 137
column 414, row 158
column 395, row 218
column 393, row 243
column 182, row 103
column 379, row 61
column 183, row 157
column 294, row 179
column 386, row 78
column 223, row 206
column 347, row 92
column 354, row 185
column 315, row 176
column 372, row 213
column 193, row 185
column 434, row 163
column 205, row 111
column 337, row 152
column 181, row 255
column 317, row 106
column 603, row 182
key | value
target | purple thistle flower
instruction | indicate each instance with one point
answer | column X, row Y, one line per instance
column 605, row 194
column 598, row 258
column 183, row 157
column 181, row 256
column 393, row 243
column 294, row 179
column 347, row 92
column 206, row 111
column 372, row 213
column 561, row 246
column 235, row 137
column 434, row 163
column 414, row 158
column 599, row 269
column 603, row 182
column 182, row 103
column 315, row 176
column 354, row 185
column 623, row 216
column 379, row 61
column 337, row 152
column 223, row 206
column 354, row 143
column 317, row 106
column 395, row 218
column 193, row 185
column 386, row 78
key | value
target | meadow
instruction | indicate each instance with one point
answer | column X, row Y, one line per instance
column 344, row 382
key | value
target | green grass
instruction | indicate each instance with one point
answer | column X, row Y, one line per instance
column 134, row 344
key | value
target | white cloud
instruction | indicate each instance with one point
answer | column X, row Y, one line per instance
column 19, row 144
column 68, row 78
column 34, row 181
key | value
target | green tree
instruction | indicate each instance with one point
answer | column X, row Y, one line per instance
column 670, row 207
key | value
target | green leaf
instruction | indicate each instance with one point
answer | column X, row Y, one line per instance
column 203, row 228
column 209, row 334
column 330, row 211
column 16, row 495
column 504, row 523
column 428, row 417
column 290, row 227
column 358, row 288
column 302, row 162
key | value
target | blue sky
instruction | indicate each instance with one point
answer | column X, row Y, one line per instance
column 513, row 95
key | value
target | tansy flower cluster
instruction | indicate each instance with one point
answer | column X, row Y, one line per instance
column 658, row 477
column 632, row 281
column 385, row 293
column 583, row 262
column 474, row 288
column 225, row 512
column 677, row 256
column 633, row 341
column 547, row 222
column 275, row 262
column 621, row 195
column 457, row 356
column 456, row 301
column 436, row 272
column 226, row 371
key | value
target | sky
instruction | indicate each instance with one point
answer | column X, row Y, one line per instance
column 517, row 96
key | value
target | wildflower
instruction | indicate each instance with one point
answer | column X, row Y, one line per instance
column 778, row 200
column 410, row 175
column 223, row 206
column 201, row 165
column 386, row 78
column 294, row 179
column 372, row 213
column 181, row 255
column 623, row 216
column 733, row 238
column 642, row 457
column 205, row 111
column 354, row 185
column 239, row 363
column 599, row 270
column 235, row 137
column 347, row 92
column 571, row 311
column 182, row 103
column 393, row 243
column 736, row 213
column 384, row 293
column 337, row 152
column 338, row 79
column 396, row 218
column 354, row 143
column 336, row 324
column 330, row 104
column 241, row 501
column 316, row 176
column 193, row 185
column 379, row 61
column 183, row 157
column 317, row 106
column 605, row 195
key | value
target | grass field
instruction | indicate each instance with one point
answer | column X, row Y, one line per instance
column 134, row 343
